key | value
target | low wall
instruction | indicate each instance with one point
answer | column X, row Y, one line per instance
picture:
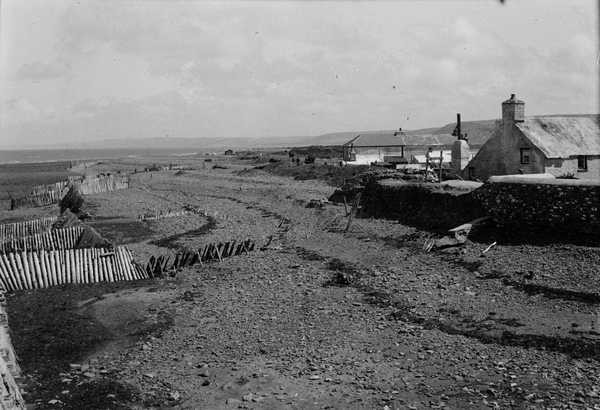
column 554, row 204
column 513, row 202
column 424, row 205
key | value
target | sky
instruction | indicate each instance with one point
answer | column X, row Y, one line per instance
column 72, row 72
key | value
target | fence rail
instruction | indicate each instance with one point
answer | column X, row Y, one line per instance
column 41, row 269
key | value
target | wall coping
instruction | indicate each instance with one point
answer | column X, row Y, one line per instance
column 519, row 179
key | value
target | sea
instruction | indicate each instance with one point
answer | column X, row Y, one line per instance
column 51, row 155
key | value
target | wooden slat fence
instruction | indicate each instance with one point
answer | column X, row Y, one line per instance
column 41, row 269
column 157, row 266
column 42, row 195
column 59, row 187
column 102, row 184
column 65, row 238
column 26, row 228
column 10, row 394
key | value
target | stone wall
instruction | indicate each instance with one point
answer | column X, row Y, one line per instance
column 515, row 202
column 423, row 205
column 556, row 205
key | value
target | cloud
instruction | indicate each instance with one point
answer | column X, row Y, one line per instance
column 39, row 71
column 132, row 68
column 22, row 110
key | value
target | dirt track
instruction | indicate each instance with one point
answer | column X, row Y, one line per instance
column 320, row 319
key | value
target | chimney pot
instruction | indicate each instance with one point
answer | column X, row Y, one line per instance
column 512, row 96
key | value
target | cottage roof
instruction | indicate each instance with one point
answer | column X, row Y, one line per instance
column 397, row 138
column 563, row 136
column 377, row 139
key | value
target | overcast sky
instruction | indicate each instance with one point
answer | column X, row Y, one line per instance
column 74, row 71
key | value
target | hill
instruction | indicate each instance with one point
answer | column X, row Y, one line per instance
column 478, row 133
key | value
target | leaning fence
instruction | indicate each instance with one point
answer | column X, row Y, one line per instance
column 41, row 269
column 157, row 266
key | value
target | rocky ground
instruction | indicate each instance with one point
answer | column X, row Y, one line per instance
column 320, row 318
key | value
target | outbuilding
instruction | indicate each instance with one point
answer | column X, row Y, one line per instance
column 371, row 147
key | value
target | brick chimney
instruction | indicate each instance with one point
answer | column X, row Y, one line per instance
column 513, row 110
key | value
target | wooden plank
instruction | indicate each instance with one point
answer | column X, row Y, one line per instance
column 20, row 277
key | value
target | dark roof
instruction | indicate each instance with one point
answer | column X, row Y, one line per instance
column 563, row 136
column 398, row 138
column 377, row 139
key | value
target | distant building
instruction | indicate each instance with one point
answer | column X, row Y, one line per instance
column 434, row 158
column 560, row 145
column 367, row 148
column 229, row 152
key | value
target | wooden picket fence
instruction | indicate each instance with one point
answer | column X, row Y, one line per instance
column 26, row 228
column 65, row 238
column 99, row 184
column 41, row 269
column 42, row 195
column 59, row 187
column 157, row 266
column 10, row 394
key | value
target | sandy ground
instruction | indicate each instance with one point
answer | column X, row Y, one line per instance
column 322, row 318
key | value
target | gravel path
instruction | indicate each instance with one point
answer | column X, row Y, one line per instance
column 327, row 319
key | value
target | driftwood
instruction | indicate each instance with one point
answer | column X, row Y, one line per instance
column 488, row 248
column 458, row 238
column 353, row 211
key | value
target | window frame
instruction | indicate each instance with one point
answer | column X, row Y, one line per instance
column 584, row 159
column 522, row 157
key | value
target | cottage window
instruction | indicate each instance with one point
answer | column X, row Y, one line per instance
column 525, row 155
column 582, row 165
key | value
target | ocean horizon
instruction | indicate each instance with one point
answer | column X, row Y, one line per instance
column 28, row 156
